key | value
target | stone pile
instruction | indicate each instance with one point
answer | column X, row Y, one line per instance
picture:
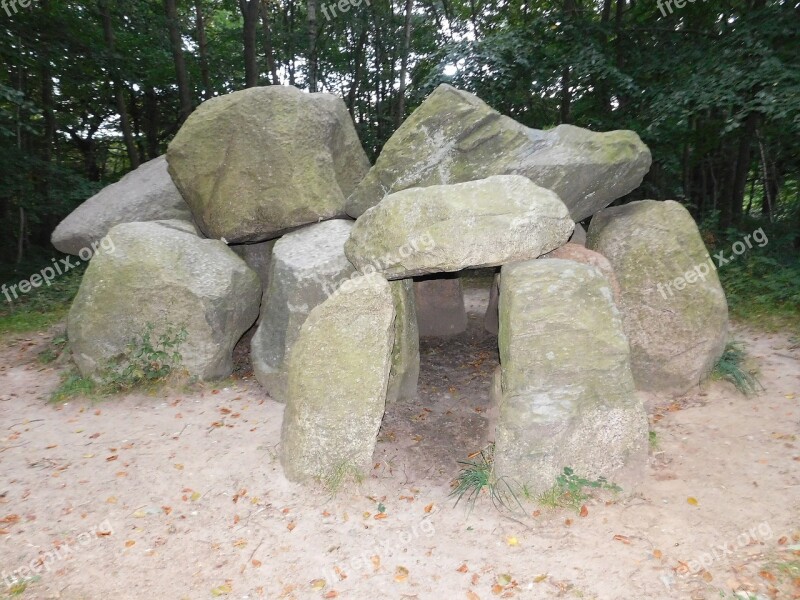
column 275, row 216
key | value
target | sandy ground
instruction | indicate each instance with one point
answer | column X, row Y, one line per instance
column 180, row 495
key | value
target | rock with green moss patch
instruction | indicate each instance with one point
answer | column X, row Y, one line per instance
column 258, row 162
column 674, row 308
column 447, row 228
column 338, row 376
column 307, row 267
column 567, row 393
column 161, row 273
column 454, row 137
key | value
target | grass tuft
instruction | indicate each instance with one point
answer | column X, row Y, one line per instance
column 478, row 475
column 731, row 367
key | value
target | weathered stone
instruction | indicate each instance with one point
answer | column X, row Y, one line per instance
column 404, row 375
column 338, row 376
column 568, row 397
column 578, row 235
column 258, row 162
column 258, row 257
column 440, row 306
column 454, row 137
column 583, row 255
column 491, row 320
column 161, row 273
column 447, row 228
column 673, row 305
column 307, row 266
column 145, row 194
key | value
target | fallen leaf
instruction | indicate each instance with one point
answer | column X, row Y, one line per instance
column 783, row 540
column 240, row 543
column 567, row 522
column 429, row 508
column 707, row 577
column 129, row 543
column 111, row 500
column 692, row 500
column 317, row 584
column 380, row 516
column 178, row 466
column 512, row 541
column 400, row 574
column 112, row 458
column 475, row 579
column 291, row 525
column 540, row 578
column 463, row 568
column 472, row 595
column 504, row 579
column 497, row 589
column 255, row 562
column 376, row 562
column 195, row 496
column 331, row 594
column 584, row 511
column 657, row 554
column 622, row 538
column 166, row 509
column 10, row 519
column 222, row 590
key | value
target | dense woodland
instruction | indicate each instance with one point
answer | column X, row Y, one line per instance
column 93, row 88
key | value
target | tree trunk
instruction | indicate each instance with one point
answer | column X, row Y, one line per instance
column 269, row 53
column 202, row 47
column 119, row 97
column 401, row 93
column 566, row 96
column 743, row 163
column 249, row 10
column 151, row 123
column 358, row 71
column 312, row 45
column 176, row 45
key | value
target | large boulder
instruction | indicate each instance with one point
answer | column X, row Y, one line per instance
column 162, row 274
column 673, row 305
column 258, row 162
column 440, row 306
column 404, row 374
column 307, row 267
column 567, row 393
column 338, row 376
column 144, row 194
column 447, row 228
column 580, row 253
column 454, row 137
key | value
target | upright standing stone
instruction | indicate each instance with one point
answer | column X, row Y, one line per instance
column 568, row 397
column 672, row 303
column 491, row 320
column 440, row 306
column 338, row 377
column 405, row 354
column 307, row 267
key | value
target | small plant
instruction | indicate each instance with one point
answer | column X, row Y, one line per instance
column 53, row 351
column 478, row 475
column 343, row 472
column 146, row 361
column 731, row 367
column 568, row 491
column 652, row 437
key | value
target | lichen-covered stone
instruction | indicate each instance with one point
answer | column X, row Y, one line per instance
column 144, row 194
column 258, row 162
column 447, row 228
column 581, row 254
column 161, row 273
column 307, row 267
column 567, row 393
column 404, row 375
column 677, row 327
column 338, row 377
column 453, row 137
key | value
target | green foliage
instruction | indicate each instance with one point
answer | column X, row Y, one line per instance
column 477, row 476
column 569, row 490
column 53, row 350
column 344, row 472
column 43, row 306
column 652, row 437
column 148, row 360
column 732, row 367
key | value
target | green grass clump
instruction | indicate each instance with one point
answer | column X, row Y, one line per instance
column 344, row 472
column 731, row 367
column 478, row 475
column 569, row 490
